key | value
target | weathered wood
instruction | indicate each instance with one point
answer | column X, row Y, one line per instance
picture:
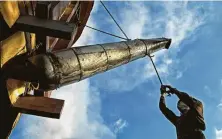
column 67, row 16
column 40, row 106
column 42, row 9
column 86, row 7
column 45, row 27
column 72, row 19
column 53, row 10
column 28, row 42
column 57, row 9
column 39, row 93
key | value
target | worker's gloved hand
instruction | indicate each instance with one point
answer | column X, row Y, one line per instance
column 169, row 89
column 164, row 91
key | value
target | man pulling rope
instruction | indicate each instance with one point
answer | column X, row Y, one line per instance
column 190, row 124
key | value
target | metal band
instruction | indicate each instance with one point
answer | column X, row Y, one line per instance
column 106, row 57
column 129, row 51
column 79, row 64
column 152, row 63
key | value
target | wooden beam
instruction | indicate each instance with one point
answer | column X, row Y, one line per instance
column 40, row 106
column 61, row 44
column 45, row 27
column 57, row 9
column 42, row 9
column 28, row 44
column 67, row 16
column 39, row 93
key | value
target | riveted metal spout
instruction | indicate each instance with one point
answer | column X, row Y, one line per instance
column 52, row 70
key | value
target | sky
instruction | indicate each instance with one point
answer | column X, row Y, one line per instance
column 123, row 103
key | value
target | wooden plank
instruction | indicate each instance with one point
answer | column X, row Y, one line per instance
column 45, row 27
column 39, row 93
column 86, row 7
column 43, row 39
column 61, row 44
column 28, row 44
column 57, row 9
column 40, row 106
column 67, row 16
column 42, row 9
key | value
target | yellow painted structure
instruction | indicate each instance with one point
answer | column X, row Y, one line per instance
column 15, row 45
column 12, row 46
column 9, row 11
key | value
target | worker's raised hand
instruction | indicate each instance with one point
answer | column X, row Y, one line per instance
column 167, row 89
column 170, row 89
column 164, row 91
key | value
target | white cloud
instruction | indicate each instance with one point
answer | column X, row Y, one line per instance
column 218, row 134
column 77, row 119
column 119, row 125
column 179, row 74
column 207, row 91
column 134, row 23
column 181, row 21
column 176, row 22
column 220, row 106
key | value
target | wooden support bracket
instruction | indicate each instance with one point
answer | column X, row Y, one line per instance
column 40, row 106
column 46, row 27
column 57, row 9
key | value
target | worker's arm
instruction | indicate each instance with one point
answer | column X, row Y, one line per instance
column 193, row 103
column 188, row 100
column 166, row 111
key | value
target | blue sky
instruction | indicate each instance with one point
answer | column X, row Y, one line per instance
column 123, row 103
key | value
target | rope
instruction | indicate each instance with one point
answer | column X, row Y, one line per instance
column 129, row 39
column 114, row 20
column 79, row 22
column 125, row 39
column 105, row 32
column 155, row 69
column 154, row 66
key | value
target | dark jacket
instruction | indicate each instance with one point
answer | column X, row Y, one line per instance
column 189, row 125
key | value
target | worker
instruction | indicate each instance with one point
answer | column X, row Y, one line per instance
column 190, row 123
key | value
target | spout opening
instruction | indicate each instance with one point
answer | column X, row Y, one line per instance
column 168, row 44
